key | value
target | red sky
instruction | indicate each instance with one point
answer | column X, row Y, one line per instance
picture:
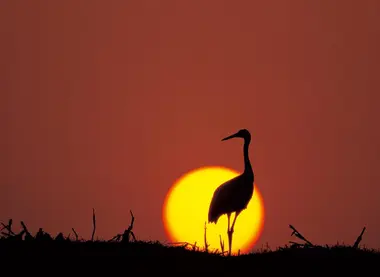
column 106, row 103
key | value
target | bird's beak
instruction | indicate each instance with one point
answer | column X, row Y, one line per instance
column 230, row 137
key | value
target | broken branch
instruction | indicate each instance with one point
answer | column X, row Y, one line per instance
column 8, row 228
column 75, row 233
column 299, row 235
column 221, row 243
column 93, row 224
column 205, row 238
column 359, row 239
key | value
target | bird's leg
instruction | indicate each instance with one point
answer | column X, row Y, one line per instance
column 229, row 242
column 228, row 218
column 229, row 234
column 231, row 231
column 233, row 223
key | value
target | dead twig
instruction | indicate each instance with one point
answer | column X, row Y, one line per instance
column 205, row 238
column 359, row 239
column 93, row 224
column 301, row 237
column 131, row 226
column 221, row 243
column 28, row 235
column 8, row 228
column 75, row 233
column 128, row 233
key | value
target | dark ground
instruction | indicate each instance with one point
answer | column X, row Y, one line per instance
column 123, row 258
column 39, row 254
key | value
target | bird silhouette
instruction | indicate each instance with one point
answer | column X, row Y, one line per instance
column 235, row 194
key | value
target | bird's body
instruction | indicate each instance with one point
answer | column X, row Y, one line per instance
column 235, row 194
column 232, row 196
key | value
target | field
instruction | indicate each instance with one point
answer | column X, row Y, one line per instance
column 123, row 254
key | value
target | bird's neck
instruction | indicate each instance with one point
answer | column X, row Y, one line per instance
column 247, row 163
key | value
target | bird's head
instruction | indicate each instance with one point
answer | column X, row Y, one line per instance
column 243, row 133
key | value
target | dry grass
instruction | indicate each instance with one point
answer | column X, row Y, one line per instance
column 186, row 257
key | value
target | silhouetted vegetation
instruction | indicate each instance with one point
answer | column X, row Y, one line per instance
column 125, row 252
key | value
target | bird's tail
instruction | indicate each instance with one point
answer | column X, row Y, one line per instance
column 212, row 217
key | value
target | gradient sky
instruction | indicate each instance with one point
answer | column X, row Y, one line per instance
column 105, row 104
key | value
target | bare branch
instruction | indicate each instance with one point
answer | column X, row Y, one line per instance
column 127, row 233
column 359, row 239
column 8, row 228
column 298, row 235
column 205, row 238
column 75, row 233
column 221, row 244
column 28, row 235
column 132, row 221
column 93, row 224
column 125, row 237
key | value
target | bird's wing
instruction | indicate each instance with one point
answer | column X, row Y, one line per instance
column 222, row 197
column 223, row 192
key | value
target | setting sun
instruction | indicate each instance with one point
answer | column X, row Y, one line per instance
column 186, row 207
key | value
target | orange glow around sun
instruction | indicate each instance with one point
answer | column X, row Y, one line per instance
column 186, row 206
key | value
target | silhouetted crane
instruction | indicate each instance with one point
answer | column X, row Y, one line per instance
column 235, row 194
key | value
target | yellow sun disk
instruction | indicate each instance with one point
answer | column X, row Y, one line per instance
column 186, row 209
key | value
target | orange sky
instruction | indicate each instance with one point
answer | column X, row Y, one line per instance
column 105, row 104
